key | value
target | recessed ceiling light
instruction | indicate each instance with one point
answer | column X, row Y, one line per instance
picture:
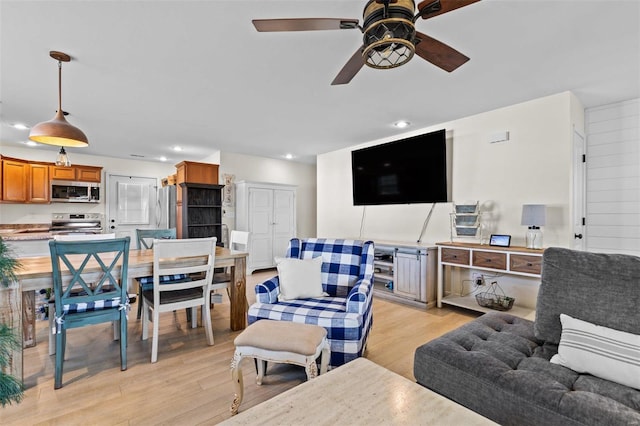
column 20, row 126
column 30, row 143
column 401, row 124
column 163, row 158
column 288, row 156
column 177, row 148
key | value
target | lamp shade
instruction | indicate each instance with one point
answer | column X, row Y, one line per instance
column 58, row 132
column 534, row 214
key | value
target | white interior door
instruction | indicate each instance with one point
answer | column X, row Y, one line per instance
column 131, row 203
column 579, row 188
column 260, row 226
column 284, row 221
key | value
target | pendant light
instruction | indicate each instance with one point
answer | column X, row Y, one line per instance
column 58, row 131
column 63, row 158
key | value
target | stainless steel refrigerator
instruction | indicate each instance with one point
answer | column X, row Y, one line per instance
column 166, row 216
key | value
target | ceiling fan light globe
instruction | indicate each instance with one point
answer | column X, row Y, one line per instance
column 389, row 53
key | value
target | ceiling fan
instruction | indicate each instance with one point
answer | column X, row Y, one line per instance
column 390, row 38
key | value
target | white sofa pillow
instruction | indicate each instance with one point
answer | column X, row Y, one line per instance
column 600, row 351
column 300, row 278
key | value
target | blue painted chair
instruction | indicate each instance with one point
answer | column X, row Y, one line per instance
column 95, row 292
column 347, row 277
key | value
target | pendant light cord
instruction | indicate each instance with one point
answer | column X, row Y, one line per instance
column 60, row 87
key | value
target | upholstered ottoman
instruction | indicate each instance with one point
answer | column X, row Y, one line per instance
column 279, row 341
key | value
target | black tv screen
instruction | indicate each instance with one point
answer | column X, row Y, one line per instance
column 407, row 171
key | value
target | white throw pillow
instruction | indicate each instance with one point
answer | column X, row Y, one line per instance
column 300, row 278
column 600, row 351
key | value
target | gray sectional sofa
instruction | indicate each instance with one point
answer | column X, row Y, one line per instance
column 499, row 365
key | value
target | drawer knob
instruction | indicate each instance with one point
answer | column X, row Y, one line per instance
column 529, row 264
column 488, row 260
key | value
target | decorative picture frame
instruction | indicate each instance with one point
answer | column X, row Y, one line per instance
column 228, row 190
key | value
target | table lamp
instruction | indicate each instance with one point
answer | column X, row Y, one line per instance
column 534, row 216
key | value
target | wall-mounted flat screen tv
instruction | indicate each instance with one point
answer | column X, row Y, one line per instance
column 407, row 171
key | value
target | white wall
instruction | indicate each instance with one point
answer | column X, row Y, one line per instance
column 260, row 169
column 613, row 178
column 534, row 166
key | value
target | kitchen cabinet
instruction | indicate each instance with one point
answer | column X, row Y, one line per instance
column 193, row 172
column 38, row 183
column 15, row 179
column 24, row 182
column 268, row 212
column 76, row 173
column 406, row 273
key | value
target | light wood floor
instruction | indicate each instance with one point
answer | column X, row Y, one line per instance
column 191, row 382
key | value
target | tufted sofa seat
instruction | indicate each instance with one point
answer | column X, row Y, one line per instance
column 498, row 365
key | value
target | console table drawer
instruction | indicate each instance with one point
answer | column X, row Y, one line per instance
column 527, row 264
column 460, row 257
column 486, row 259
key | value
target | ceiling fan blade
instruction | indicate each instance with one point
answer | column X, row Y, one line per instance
column 304, row 24
column 350, row 69
column 438, row 53
column 426, row 11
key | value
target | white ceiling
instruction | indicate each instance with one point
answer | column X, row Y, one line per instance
column 149, row 75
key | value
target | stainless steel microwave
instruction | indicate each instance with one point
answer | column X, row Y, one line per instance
column 63, row 191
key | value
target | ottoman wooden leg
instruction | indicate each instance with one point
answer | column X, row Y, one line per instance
column 324, row 356
column 311, row 368
column 262, row 367
column 236, row 376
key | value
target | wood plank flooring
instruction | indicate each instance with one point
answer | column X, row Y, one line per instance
column 191, row 382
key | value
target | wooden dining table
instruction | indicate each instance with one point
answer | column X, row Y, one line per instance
column 17, row 301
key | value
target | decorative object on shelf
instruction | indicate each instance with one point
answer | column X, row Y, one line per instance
column 500, row 240
column 58, row 131
column 493, row 300
column 534, row 216
column 465, row 220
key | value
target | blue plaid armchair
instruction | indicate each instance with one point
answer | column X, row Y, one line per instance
column 347, row 276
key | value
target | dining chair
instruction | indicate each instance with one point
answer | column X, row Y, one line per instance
column 145, row 238
column 51, row 303
column 239, row 241
column 194, row 257
column 94, row 290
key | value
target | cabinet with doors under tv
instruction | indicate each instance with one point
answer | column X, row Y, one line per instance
column 405, row 273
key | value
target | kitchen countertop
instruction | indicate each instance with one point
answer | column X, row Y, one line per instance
column 25, row 232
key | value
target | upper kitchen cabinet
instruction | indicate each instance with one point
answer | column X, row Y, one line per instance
column 192, row 172
column 24, row 182
column 78, row 173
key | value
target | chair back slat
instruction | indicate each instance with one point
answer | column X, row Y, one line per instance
column 239, row 240
column 196, row 258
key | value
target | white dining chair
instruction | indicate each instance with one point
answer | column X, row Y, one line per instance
column 198, row 256
column 238, row 241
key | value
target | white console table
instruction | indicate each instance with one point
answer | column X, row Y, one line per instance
column 517, row 261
